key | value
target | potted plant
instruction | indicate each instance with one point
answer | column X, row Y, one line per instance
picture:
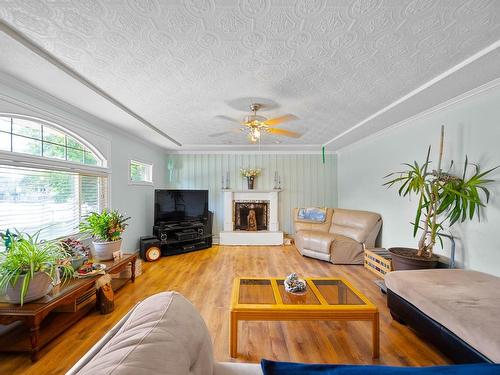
column 250, row 174
column 77, row 250
column 29, row 266
column 105, row 229
column 444, row 197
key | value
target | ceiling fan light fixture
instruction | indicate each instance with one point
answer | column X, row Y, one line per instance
column 254, row 119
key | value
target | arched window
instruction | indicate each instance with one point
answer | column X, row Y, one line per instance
column 50, row 179
column 37, row 138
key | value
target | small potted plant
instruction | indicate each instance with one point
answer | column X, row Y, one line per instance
column 250, row 174
column 105, row 229
column 77, row 250
column 444, row 197
column 29, row 266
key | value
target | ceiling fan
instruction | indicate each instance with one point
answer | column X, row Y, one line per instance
column 255, row 125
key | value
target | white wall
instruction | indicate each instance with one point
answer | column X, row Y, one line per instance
column 305, row 180
column 117, row 146
column 472, row 128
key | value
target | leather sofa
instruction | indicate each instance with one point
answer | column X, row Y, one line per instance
column 164, row 334
column 341, row 238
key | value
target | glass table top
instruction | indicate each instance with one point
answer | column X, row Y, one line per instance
column 321, row 291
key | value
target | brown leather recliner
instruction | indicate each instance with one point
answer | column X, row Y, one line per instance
column 341, row 239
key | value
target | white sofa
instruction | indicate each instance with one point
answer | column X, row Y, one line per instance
column 164, row 334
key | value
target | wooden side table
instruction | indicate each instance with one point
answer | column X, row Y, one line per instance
column 33, row 325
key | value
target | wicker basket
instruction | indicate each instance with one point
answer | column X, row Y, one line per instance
column 378, row 261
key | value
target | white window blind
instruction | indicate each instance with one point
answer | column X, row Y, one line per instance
column 55, row 201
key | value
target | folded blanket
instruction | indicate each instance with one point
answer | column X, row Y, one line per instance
column 312, row 214
column 286, row 368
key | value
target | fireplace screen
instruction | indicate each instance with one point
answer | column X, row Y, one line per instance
column 251, row 216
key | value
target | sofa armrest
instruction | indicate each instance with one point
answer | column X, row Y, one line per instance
column 99, row 345
column 372, row 236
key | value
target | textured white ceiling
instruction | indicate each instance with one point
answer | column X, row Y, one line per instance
column 332, row 63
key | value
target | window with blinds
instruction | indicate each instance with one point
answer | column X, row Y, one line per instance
column 48, row 200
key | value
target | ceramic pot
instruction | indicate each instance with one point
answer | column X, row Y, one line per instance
column 105, row 250
column 40, row 285
column 77, row 262
column 250, row 182
column 404, row 258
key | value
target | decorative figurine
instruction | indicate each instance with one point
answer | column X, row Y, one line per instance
column 294, row 285
column 252, row 221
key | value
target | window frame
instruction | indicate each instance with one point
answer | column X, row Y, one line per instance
column 18, row 159
column 148, row 165
column 49, row 162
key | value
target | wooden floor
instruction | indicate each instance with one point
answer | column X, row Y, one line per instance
column 205, row 277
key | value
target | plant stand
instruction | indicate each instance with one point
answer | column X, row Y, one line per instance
column 33, row 325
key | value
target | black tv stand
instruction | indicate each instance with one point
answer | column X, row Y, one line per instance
column 184, row 236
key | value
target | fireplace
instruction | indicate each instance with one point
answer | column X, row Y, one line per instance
column 251, row 215
column 261, row 206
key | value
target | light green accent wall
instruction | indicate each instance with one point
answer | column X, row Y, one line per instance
column 305, row 180
column 473, row 128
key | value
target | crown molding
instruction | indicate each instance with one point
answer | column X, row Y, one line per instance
column 55, row 110
column 51, row 59
column 438, row 108
column 250, row 149
column 418, row 90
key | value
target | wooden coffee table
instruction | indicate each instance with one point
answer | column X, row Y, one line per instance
column 31, row 326
column 257, row 298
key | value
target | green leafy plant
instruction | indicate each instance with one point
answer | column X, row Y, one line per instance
column 27, row 255
column 442, row 196
column 106, row 226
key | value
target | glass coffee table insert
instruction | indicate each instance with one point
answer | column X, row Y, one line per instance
column 319, row 292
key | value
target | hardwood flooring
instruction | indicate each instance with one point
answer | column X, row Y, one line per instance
column 205, row 277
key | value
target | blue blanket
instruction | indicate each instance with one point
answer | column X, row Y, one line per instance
column 286, row 368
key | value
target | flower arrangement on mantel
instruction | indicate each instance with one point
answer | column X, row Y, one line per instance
column 250, row 174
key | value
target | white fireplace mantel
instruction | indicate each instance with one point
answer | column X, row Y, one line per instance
column 272, row 236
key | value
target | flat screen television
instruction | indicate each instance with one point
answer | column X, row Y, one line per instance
column 180, row 205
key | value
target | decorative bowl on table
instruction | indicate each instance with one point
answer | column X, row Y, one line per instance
column 295, row 285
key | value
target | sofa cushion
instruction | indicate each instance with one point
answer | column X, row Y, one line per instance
column 286, row 368
column 163, row 334
column 314, row 240
column 465, row 302
column 353, row 224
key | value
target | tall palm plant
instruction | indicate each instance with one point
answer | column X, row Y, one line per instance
column 442, row 196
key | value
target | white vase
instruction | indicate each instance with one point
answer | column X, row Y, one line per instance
column 40, row 285
column 105, row 250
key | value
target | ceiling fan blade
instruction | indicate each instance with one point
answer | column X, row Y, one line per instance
column 227, row 118
column 279, row 120
column 235, row 130
column 286, row 133
column 218, row 134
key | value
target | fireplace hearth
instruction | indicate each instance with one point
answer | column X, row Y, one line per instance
column 251, row 215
